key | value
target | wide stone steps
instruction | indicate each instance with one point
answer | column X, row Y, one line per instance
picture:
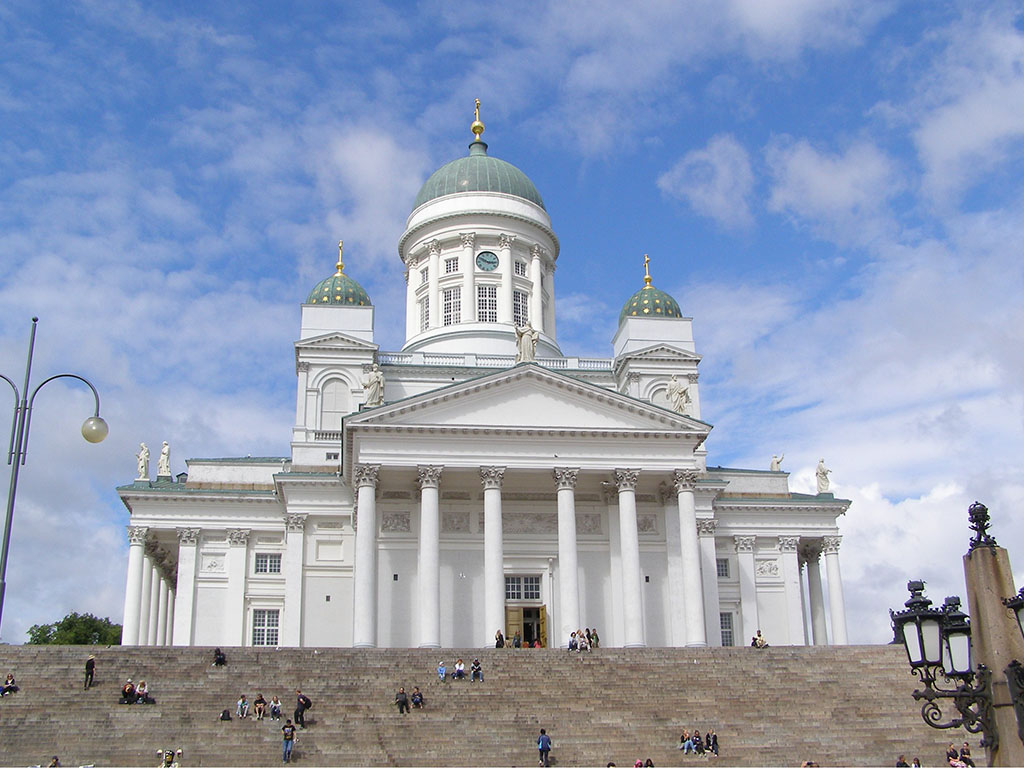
column 777, row 706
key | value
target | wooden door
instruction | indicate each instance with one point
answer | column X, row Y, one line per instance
column 513, row 622
column 543, row 626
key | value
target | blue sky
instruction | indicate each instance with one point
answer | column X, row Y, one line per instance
column 829, row 187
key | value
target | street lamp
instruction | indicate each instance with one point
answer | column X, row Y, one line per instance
column 939, row 648
column 94, row 429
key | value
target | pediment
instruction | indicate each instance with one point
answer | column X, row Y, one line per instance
column 662, row 352
column 335, row 340
column 527, row 397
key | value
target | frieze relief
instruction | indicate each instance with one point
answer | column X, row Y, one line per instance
column 396, row 495
column 543, row 522
column 396, row 522
column 213, row 563
column 588, row 523
column 767, row 569
column 453, row 521
column 647, row 524
column 330, row 525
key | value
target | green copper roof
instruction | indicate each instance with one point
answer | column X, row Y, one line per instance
column 478, row 173
column 339, row 289
column 650, row 302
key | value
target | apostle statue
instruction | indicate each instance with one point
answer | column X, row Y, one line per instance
column 143, row 461
column 678, row 395
column 776, row 465
column 373, row 385
column 163, row 464
column 526, row 343
column 822, row 474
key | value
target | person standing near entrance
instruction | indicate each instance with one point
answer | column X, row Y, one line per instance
column 543, row 748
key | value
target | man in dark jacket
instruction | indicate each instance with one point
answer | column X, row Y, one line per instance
column 302, row 703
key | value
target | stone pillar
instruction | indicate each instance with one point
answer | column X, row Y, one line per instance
column 632, row 588
column 161, row 614
column 294, row 564
column 815, row 597
column 146, row 594
column 568, row 567
column 133, row 586
column 469, row 283
column 169, row 635
column 494, row 554
column 364, row 597
column 709, row 571
column 505, row 268
column 803, row 600
column 236, row 566
column 693, row 598
column 748, row 586
column 536, row 292
column 185, row 590
column 837, row 606
column 154, row 602
column 433, row 283
column 549, row 308
column 302, row 419
column 412, row 282
column 430, row 557
column 791, row 582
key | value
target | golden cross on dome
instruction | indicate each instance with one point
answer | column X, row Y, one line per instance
column 341, row 264
column 476, row 112
column 477, row 127
column 647, row 271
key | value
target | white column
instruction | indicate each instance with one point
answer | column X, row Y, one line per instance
column 674, row 566
column 549, row 308
column 161, row 614
column 709, row 573
column 146, row 594
column 693, row 600
column 537, row 292
column 469, row 283
column 791, row 582
column 429, row 575
column 185, row 590
column 302, row 374
column 169, row 634
column 632, row 589
column 748, row 586
column 237, row 567
column 505, row 267
column 154, row 604
column 494, row 555
column 568, row 564
column 803, row 601
column 294, row 563
column 814, row 595
column 412, row 282
column 364, row 598
column 433, row 282
column 133, row 586
column 837, row 606
column 612, row 634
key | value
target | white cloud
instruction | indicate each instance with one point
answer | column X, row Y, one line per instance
column 716, row 181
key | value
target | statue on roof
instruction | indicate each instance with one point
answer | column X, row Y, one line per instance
column 526, row 343
column 678, row 395
column 373, row 385
column 163, row 465
column 143, row 462
column 776, row 465
column 822, row 474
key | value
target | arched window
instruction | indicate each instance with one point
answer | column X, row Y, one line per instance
column 334, row 404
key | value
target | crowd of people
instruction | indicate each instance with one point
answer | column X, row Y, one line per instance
column 584, row 640
column 696, row 744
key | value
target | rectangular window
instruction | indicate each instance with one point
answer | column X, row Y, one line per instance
column 264, row 626
column 451, row 265
column 531, row 587
column 522, row 587
column 722, row 563
column 487, row 303
column 268, row 563
column 725, row 622
column 521, row 268
column 513, row 588
column 520, row 312
column 424, row 275
column 424, row 313
column 451, row 306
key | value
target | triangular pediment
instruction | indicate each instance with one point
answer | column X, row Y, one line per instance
column 527, row 397
column 662, row 352
column 334, row 340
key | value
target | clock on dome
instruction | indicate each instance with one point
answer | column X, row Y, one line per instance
column 487, row 261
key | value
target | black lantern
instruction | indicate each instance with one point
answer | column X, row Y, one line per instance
column 919, row 628
column 1016, row 604
column 956, row 641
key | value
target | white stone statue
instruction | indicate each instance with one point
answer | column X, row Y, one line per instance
column 143, row 461
column 373, row 385
column 526, row 343
column 678, row 395
column 163, row 464
column 776, row 465
column 822, row 474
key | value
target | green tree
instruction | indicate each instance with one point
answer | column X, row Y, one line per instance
column 76, row 629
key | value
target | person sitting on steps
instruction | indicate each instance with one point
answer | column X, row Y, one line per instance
column 219, row 659
column 259, row 706
column 476, row 672
column 460, row 671
column 242, row 707
column 275, row 708
column 442, row 671
column 417, row 697
column 128, row 692
column 142, row 694
column 9, row 686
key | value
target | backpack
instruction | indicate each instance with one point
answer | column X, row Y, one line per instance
column 307, row 702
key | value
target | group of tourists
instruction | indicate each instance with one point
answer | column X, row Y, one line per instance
column 516, row 641
column 476, row 671
column 136, row 694
column 584, row 640
column 403, row 699
column 959, row 758
column 261, row 708
column 694, row 743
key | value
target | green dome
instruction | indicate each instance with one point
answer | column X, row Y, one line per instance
column 339, row 288
column 650, row 302
column 478, row 173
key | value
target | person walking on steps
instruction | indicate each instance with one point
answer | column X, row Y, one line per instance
column 288, row 741
column 302, row 703
column 90, row 668
column 543, row 748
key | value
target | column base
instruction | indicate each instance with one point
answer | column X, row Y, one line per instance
column 364, row 645
column 429, row 646
column 635, row 645
column 696, row 645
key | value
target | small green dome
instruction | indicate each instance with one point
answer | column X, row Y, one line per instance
column 650, row 302
column 478, row 173
column 340, row 289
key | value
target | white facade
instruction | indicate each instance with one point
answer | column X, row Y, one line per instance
column 482, row 494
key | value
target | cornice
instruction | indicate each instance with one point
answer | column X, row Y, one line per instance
column 410, row 234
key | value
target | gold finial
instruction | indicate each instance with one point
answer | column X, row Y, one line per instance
column 477, row 127
column 341, row 264
column 647, row 271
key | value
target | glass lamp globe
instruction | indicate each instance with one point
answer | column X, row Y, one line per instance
column 94, row 429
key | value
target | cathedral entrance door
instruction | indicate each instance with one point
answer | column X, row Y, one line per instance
column 531, row 623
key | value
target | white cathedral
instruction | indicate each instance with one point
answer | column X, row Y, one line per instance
column 480, row 479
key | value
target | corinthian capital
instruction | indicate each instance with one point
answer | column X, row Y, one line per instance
column 238, row 537
column 505, row 241
column 565, row 478
column 468, row 239
column 188, row 537
column 429, row 476
column 789, row 543
column 536, row 251
column 137, row 534
column 626, row 479
column 434, row 248
column 492, row 477
column 744, row 543
column 830, row 544
column 706, row 527
column 685, row 479
column 295, row 522
column 366, row 474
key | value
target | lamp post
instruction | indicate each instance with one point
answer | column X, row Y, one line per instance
column 942, row 644
column 94, row 429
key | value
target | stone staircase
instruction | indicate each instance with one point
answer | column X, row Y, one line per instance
column 777, row 706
